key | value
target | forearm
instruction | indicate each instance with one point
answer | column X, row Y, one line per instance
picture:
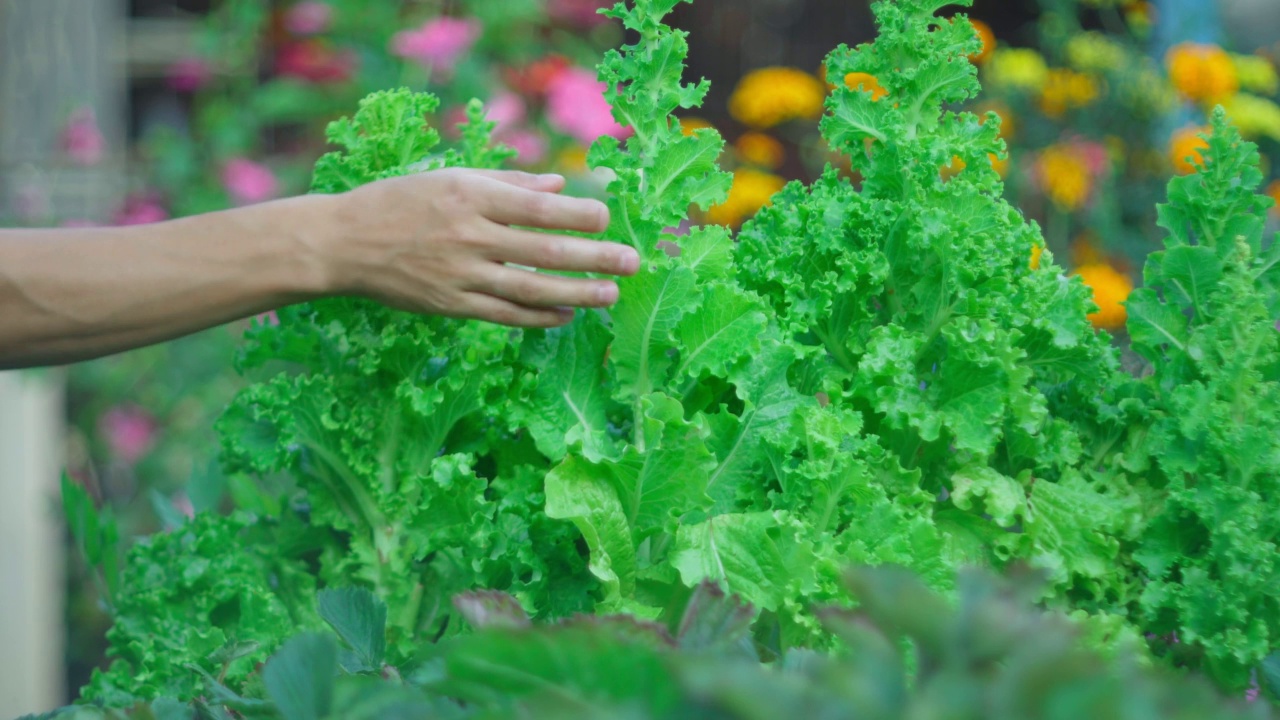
column 75, row 294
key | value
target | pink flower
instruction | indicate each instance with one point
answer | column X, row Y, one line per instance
column 315, row 61
column 309, row 17
column 81, row 140
column 140, row 210
column 182, row 503
column 129, row 431
column 531, row 145
column 189, row 75
column 268, row 318
column 249, row 182
column 576, row 106
column 578, row 12
column 439, row 43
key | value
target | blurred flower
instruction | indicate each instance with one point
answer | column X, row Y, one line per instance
column 689, row 124
column 999, row 164
column 1203, row 73
column 439, row 43
column 1095, row 52
column 534, row 78
column 1274, row 191
column 752, row 190
column 1006, row 117
column 1036, row 252
column 189, row 75
column 1065, row 90
column 577, row 107
column 1185, row 147
column 530, row 144
column 760, row 149
column 309, row 17
column 142, row 209
column 1110, row 289
column 954, row 167
column 578, row 12
column 81, row 140
column 182, row 503
column 572, row 159
column 1140, row 15
column 248, row 182
column 1145, row 92
column 1254, row 116
column 988, row 42
column 1256, row 74
column 314, row 60
column 770, row 96
column 1017, row 68
column 865, row 82
column 1063, row 174
column 128, row 431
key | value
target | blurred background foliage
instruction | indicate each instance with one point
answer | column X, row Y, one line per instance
column 1099, row 101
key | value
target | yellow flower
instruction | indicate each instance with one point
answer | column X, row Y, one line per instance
column 988, row 42
column 572, row 159
column 1185, row 147
column 1095, row 52
column 867, row 82
column 1064, row 177
column 1254, row 116
column 1110, row 288
column 752, row 190
column 760, row 149
column 1036, row 252
column 999, row 164
column 1203, row 73
column 1017, row 68
column 773, row 95
column 1257, row 74
column 1066, row 90
column 1006, row 117
column 689, row 124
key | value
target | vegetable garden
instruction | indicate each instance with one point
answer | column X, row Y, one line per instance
column 861, row 458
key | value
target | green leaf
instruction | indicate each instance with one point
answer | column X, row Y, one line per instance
column 651, row 304
column 299, row 677
column 981, row 489
column 360, row 619
column 582, row 493
column 1192, row 273
column 741, row 551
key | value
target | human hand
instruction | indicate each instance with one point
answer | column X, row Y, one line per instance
column 443, row 242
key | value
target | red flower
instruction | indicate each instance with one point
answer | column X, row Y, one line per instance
column 314, row 60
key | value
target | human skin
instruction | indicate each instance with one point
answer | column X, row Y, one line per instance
column 445, row 242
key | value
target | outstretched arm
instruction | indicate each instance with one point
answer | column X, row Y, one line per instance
column 442, row 242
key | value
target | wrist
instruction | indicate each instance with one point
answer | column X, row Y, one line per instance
column 312, row 229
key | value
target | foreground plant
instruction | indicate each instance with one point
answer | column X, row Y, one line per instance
column 988, row 656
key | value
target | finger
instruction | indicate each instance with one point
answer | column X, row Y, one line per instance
column 547, row 182
column 559, row 252
column 531, row 289
column 504, row 312
column 512, row 205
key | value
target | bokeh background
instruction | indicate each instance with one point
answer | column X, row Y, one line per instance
column 118, row 113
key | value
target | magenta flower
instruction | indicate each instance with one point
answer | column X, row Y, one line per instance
column 438, row 44
column 578, row 12
column 129, row 432
column 189, row 75
column 140, row 210
column 248, row 182
column 309, row 17
column 531, row 145
column 81, row 140
column 577, row 107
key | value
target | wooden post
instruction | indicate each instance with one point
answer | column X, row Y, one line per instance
column 56, row 57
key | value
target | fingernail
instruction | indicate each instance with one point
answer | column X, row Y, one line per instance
column 628, row 261
column 607, row 294
column 551, row 176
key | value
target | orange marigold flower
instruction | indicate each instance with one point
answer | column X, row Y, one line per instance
column 689, row 124
column 988, row 42
column 1185, row 147
column 1036, row 252
column 999, row 164
column 1110, row 288
column 1203, row 73
column 867, row 82
column 1001, row 111
column 1066, row 90
column 760, row 149
column 1274, row 191
column 771, row 96
column 752, row 190
column 1064, row 176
